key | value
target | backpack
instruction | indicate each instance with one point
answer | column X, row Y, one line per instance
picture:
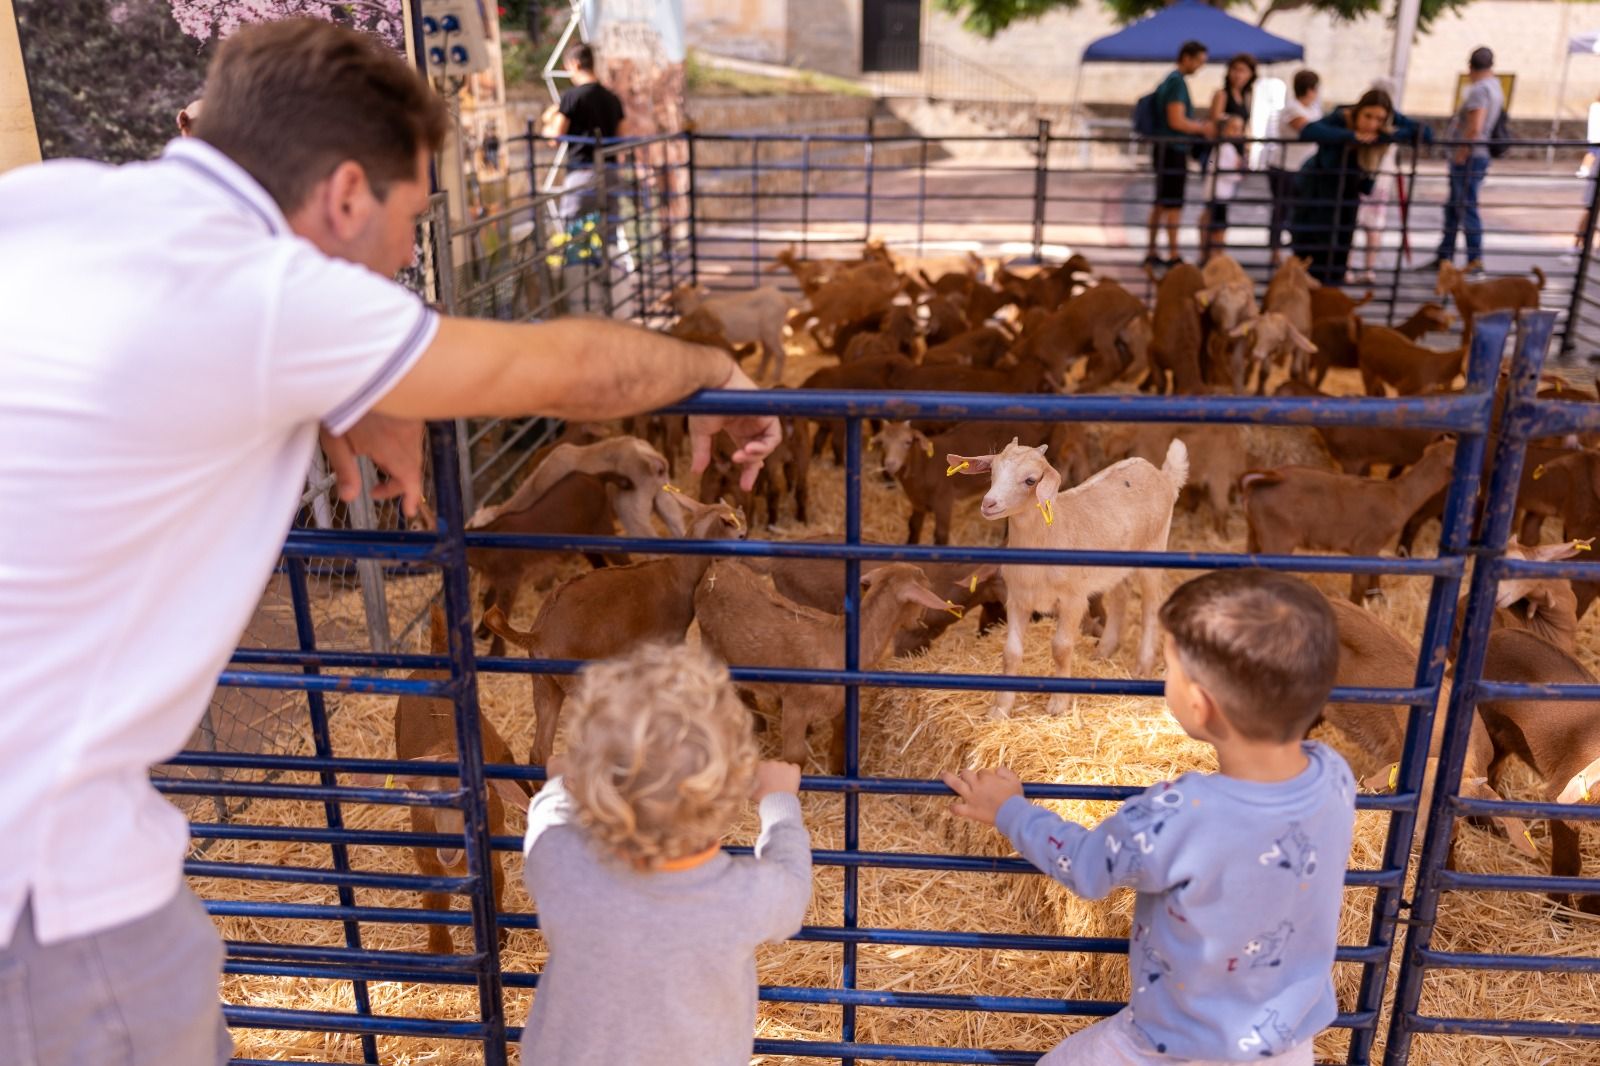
column 1500, row 138
column 1146, row 116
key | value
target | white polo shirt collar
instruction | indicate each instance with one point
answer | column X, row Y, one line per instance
column 230, row 178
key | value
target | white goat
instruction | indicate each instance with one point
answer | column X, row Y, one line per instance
column 1127, row 506
column 749, row 317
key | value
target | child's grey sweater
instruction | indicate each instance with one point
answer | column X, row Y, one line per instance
column 655, row 969
column 1239, row 886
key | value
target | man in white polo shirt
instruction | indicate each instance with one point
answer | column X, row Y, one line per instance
column 174, row 334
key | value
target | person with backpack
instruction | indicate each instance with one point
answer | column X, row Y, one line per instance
column 1167, row 116
column 1474, row 138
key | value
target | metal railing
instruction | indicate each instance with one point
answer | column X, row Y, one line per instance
column 930, row 71
column 661, row 202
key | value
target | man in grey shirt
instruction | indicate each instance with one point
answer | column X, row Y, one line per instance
column 1480, row 109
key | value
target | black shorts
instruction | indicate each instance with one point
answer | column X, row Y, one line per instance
column 1171, row 162
column 1219, row 214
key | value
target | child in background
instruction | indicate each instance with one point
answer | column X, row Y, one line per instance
column 1240, row 873
column 652, row 927
column 1224, row 186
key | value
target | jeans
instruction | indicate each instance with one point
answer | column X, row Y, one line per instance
column 1461, row 212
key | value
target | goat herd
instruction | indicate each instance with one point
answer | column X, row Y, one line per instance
column 970, row 326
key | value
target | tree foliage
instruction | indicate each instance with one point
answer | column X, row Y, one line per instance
column 988, row 17
column 205, row 19
column 107, row 77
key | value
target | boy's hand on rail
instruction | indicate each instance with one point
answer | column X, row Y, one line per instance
column 393, row 444
column 982, row 792
column 754, row 436
column 774, row 776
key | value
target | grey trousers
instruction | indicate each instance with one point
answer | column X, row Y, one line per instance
column 1113, row 1042
column 140, row 994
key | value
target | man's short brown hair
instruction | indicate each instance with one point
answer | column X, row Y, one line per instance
column 1264, row 645
column 289, row 101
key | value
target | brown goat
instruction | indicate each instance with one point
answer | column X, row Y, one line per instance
column 608, row 612
column 1106, row 323
column 1336, row 336
column 425, row 731
column 1386, row 357
column 1176, row 332
column 744, row 622
column 1559, row 740
column 1298, row 507
column 1496, row 294
column 577, row 504
column 981, row 347
column 1371, row 655
column 1331, row 302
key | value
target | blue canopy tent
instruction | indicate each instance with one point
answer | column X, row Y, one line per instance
column 1157, row 39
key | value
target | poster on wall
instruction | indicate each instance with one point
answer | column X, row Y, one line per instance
column 639, row 45
column 107, row 78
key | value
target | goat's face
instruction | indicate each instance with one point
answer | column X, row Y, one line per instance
column 1230, row 303
column 1449, row 278
column 1536, row 590
column 1435, row 316
column 1021, row 477
column 907, row 583
column 897, row 439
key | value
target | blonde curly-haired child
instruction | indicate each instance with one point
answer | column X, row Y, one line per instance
column 652, row 927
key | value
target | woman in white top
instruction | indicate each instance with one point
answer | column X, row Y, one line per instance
column 1285, row 125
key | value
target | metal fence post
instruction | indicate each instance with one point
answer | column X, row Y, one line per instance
column 868, row 159
column 755, row 212
column 603, row 184
column 322, row 741
column 1580, row 279
column 805, row 195
column 1407, row 200
column 852, row 713
column 1500, row 504
column 1455, row 535
column 694, row 235
column 922, row 191
column 469, row 742
column 1041, row 177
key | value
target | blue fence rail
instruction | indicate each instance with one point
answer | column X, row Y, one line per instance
column 318, row 672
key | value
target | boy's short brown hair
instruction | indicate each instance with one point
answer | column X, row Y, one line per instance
column 289, row 101
column 661, row 753
column 1264, row 645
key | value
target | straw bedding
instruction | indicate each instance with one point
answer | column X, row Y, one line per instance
column 916, row 734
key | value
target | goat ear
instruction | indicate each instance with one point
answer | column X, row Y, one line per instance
column 1049, row 484
column 1549, row 553
column 968, row 464
column 1241, row 330
column 1301, row 342
column 917, row 592
column 1204, row 297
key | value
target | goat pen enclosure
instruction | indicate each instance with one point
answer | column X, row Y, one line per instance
column 925, row 942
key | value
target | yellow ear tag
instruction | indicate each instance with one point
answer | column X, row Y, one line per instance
column 928, row 448
column 953, row 609
column 1583, row 545
column 1394, row 777
column 1527, row 834
column 1583, row 785
column 388, row 782
column 952, row 471
column 1538, row 472
column 972, row 583
column 1048, row 509
column 738, row 523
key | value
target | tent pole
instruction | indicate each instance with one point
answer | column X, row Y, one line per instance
column 1405, row 30
column 1561, row 100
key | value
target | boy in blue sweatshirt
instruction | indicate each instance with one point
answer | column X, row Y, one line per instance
column 1239, row 874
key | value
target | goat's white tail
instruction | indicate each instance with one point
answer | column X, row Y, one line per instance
column 1177, row 465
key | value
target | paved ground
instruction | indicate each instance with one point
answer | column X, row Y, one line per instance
column 988, row 205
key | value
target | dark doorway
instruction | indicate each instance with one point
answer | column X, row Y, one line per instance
column 891, row 33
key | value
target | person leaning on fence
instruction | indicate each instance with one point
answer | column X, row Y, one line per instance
column 1175, row 130
column 1239, row 874
column 1470, row 127
column 587, row 110
column 1303, row 108
column 652, row 927
column 1372, row 216
column 157, row 419
column 1351, row 142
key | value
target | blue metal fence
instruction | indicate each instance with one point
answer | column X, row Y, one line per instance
column 325, row 778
